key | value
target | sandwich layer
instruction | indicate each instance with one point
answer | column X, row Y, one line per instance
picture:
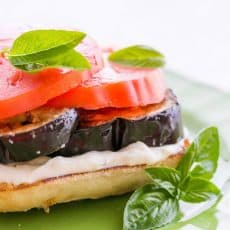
column 114, row 175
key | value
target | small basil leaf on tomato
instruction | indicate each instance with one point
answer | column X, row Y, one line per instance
column 138, row 56
column 37, row 49
column 70, row 59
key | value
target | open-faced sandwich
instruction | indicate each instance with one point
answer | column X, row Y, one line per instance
column 79, row 122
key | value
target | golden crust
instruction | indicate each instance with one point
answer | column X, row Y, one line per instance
column 89, row 185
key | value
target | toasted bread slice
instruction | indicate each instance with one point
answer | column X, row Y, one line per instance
column 87, row 185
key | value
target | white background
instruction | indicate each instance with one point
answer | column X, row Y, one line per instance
column 193, row 34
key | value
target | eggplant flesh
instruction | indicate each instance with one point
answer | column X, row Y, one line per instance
column 39, row 132
column 112, row 129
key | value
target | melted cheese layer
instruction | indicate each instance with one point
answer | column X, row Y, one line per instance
column 44, row 167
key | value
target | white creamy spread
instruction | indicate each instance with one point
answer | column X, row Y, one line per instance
column 45, row 167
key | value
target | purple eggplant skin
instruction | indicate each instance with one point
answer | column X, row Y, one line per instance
column 92, row 138
column 43, row 140
column 155, row 129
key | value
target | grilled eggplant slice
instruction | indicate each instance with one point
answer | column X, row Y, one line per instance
column 91, row 138
column 159, row 125
column 112, row 129
column 39, row 132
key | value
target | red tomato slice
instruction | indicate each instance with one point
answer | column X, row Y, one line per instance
column 110, row 88
column 21, row 91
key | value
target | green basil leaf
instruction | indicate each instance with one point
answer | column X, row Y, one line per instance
column 70, row 59
column 39, row 41
column 207, row 154
column 186, row 162
column 195, row 190
column 167, row 178
column 150, row 207
column 138, row 56
column 201, row 158
column 39, row 49
column 36, row 57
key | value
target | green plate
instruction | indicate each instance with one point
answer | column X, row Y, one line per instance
column 202, row 106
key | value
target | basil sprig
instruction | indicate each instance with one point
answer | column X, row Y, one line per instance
column 202, row 155
column 157, row 204
column 39, row 49
column 139, row 56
